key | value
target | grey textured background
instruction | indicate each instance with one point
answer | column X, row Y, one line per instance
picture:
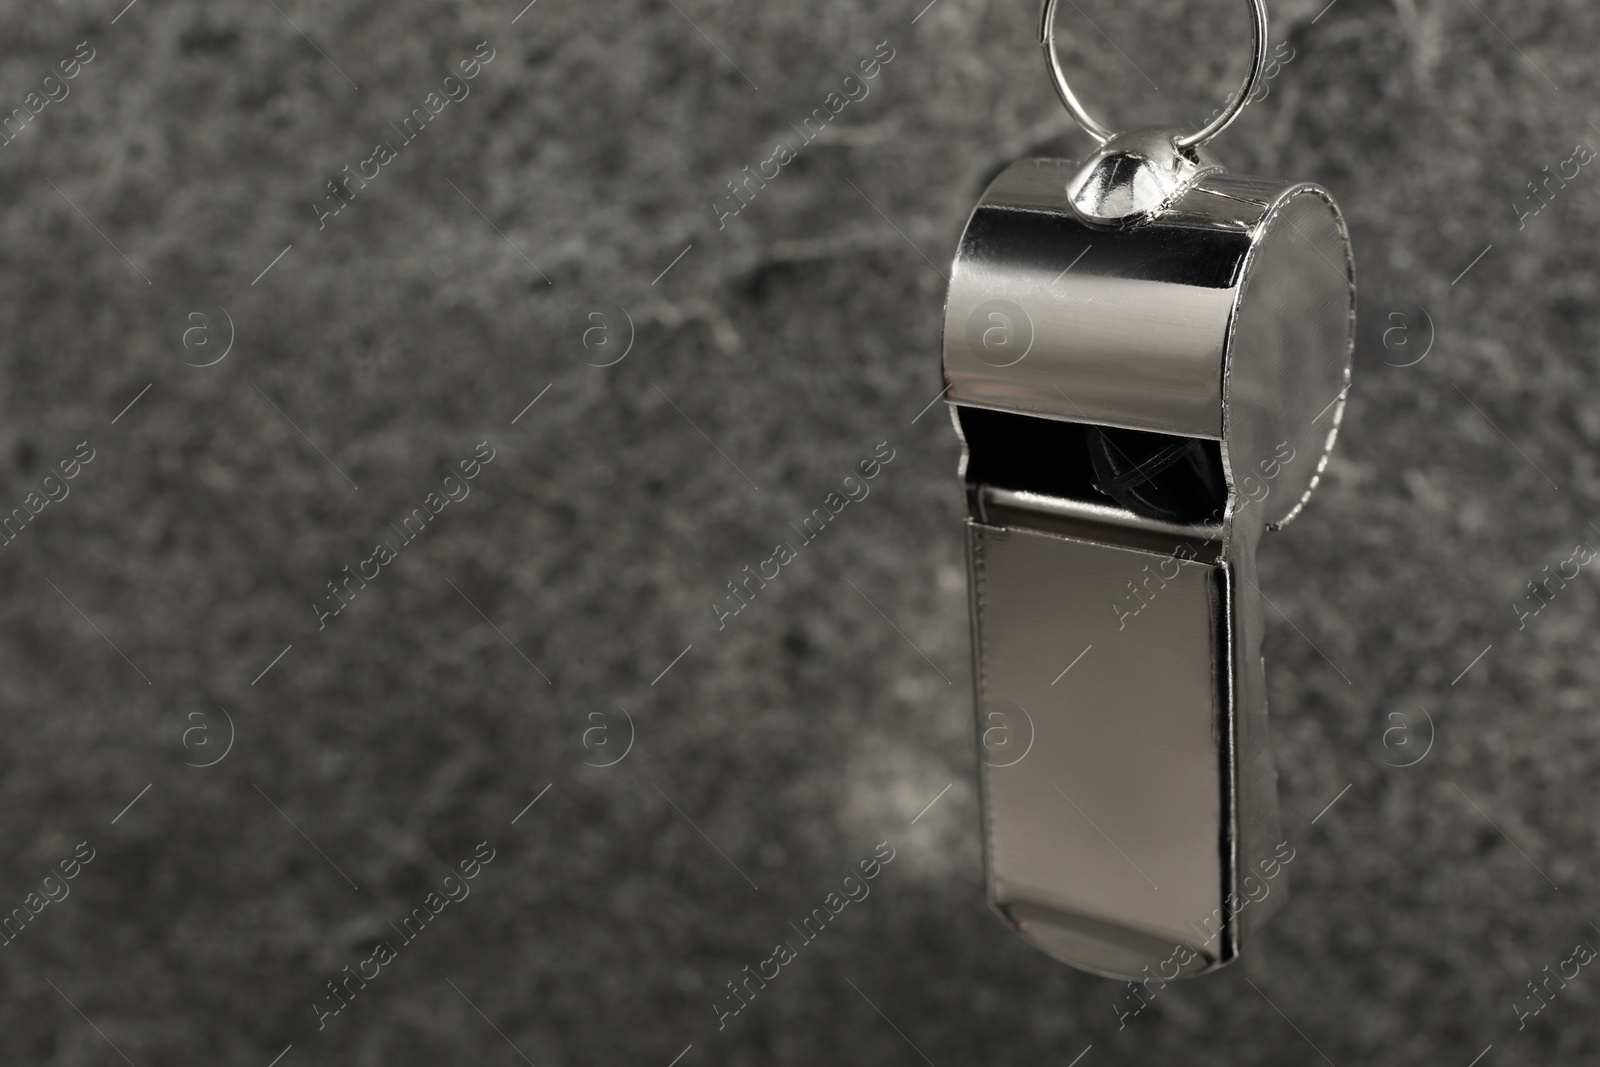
column 796, row 339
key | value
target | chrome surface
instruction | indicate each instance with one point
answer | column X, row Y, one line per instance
column 1135, row 831
column 1103, row 842
column 1090, row 521
column 1235, row 104
column 1135, row 176
column 1130, row 328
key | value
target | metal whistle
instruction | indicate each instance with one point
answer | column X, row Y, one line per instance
column 1147, row 359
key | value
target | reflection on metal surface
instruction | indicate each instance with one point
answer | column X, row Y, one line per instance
column 1135, row 176
column 1124, row 780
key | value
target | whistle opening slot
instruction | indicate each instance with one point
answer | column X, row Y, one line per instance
column 1156, row 476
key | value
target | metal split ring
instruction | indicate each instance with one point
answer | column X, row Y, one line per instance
column 1047, row 37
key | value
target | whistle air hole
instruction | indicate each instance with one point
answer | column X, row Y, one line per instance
column 1158, row 476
